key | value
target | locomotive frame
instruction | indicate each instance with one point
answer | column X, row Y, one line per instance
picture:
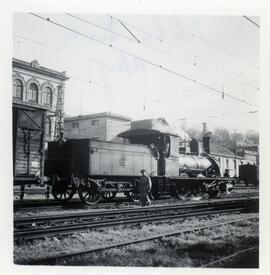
column 92, row 189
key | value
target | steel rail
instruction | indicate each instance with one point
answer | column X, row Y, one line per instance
column 50, row 260
column 31, row 234
column 71, row 228
column 220, row 260
column 26, row 206
column 82, row 223
column 76, row 216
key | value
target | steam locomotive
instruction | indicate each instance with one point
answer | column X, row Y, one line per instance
column 100, row 169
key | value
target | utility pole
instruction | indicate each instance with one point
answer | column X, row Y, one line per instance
column 59, row 113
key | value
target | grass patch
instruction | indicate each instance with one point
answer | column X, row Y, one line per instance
column 192, row 249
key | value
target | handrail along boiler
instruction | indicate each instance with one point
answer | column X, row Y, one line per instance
column 101, row 169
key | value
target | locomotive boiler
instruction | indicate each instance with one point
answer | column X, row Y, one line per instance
column 100, row 169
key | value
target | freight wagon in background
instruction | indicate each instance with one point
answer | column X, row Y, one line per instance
column 28, row 143
column 249, row 174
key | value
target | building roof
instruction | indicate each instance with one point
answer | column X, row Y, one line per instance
column 98, row 115
column 149, row 126
column 250, row 147
column 216, row 149
column 35, row 67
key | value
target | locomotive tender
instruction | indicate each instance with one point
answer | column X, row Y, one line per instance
column 101, row 169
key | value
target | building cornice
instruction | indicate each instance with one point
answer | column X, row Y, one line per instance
column 98, row 115
column 18, row 103
column 226, row 156
column 34, row 67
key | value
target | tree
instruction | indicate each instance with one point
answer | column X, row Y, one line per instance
column 222, row 137
column 252, row 137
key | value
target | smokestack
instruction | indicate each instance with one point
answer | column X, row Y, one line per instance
column 204, row 128
column 206, row 144
column 206, row 139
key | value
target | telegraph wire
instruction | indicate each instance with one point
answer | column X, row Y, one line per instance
column 141, row 59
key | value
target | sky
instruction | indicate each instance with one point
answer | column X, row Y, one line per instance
column 149, row 66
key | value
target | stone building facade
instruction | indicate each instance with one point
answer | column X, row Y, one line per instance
column 38, row 86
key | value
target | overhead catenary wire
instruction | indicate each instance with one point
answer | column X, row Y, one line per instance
column 254, row 23
column 84, row 58
column 209, row 43
column 141, row 59
column 200, row 67
column 88, row 60
column 171, row 45
column 129, row 31
column 91, row 61
column 143, row 97
column 98, row 26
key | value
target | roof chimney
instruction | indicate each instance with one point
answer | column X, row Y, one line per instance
column 206, row 139
column 204, row 128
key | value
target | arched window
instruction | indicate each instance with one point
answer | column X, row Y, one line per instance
column 48, row 96
column 18, row 89
column 48, row 127
column 33, row 93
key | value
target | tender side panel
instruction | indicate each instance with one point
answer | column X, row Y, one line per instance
column 120, row 159
column 71, row 157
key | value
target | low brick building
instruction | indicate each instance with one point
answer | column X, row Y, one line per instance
column 102, row 126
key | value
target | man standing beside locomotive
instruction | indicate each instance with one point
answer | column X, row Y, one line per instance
column 145, row 188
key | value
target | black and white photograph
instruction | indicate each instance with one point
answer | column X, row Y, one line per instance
column 135, row 138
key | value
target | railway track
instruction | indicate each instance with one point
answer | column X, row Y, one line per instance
column 43, row 205
column 246, row 187
column 56, row 259
column 39, row 227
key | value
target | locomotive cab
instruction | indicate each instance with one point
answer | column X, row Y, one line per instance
column 161, row 139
